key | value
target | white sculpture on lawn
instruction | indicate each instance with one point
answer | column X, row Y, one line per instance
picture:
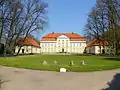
column 63, row 70
column 55, row 62
column 72, row 62
column 83, row 62
column 45, row 62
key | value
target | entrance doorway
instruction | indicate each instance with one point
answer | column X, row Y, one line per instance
column 62, row 50
column 23, row 51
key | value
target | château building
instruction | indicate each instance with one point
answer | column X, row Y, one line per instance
column 63, row 43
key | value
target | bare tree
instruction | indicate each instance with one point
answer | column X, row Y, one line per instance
column 104, row 22
column 96, row 26
column 22, row 18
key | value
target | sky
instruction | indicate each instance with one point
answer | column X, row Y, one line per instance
column 67, row 16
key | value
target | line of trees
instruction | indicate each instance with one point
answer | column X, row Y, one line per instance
column 103, row 23
column 20, row 18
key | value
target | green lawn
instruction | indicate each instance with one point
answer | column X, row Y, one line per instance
column 93, row 63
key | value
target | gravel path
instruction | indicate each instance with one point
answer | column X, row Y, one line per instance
column 22, row 79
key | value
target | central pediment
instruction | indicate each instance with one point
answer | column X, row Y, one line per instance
column 63, row 37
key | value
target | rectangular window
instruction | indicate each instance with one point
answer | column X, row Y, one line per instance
column 27, row 50
column 98, row 50
column 66, row 44
column 43, row 44
column 80, row 44
column 62, row 41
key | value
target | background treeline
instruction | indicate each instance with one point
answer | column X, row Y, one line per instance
column 103, row 23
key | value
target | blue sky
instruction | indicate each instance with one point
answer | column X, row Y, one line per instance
column 67, row 15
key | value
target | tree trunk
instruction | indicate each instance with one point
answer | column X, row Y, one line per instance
column 117, row 48
column 100, row 49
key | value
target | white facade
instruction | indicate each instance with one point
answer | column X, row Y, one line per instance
column 62, row 44
column 28, row 50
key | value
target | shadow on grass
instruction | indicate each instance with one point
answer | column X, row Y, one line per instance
column 114, row 84
column 112, row 58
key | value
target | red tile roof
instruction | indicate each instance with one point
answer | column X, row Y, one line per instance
column 97, row 43
column 30, row 41
column 72, row 36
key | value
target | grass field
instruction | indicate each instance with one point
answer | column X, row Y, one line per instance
column 93, row 63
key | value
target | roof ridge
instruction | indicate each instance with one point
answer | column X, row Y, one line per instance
column 72, row 36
